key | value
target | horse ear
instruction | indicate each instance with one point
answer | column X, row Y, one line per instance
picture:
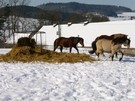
column 128, row 37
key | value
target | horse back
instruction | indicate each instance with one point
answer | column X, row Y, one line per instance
column 111, row 37
column 104, row 37
column 73, row 40
column 62, row 41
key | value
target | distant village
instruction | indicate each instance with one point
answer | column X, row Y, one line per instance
column 124, row 16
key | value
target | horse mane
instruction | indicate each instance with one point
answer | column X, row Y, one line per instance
column 77, row 38
column 119, row 40
column 129, row 41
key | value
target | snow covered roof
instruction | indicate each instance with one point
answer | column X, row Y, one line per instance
column 127, row 14
column 89, row 32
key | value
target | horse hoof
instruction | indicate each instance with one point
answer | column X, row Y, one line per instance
column 120, row 59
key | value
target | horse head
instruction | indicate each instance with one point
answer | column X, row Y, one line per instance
column 81, row 41
column 127, row 43
column 122, row 40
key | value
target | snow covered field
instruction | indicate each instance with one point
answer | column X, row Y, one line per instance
column 99, row 81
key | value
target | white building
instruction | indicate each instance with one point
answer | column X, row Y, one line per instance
column 127, row 15
column 89, row 32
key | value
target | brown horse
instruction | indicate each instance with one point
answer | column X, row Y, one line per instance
column 113, row 46
column 111, row 37
column 68, row 42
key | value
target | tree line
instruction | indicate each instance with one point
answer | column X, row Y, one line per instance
column 14, row 14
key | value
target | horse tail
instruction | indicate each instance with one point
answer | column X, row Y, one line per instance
column 55, row 44
column 93, row 45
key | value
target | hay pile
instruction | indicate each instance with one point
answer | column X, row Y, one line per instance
column 26, row 50
column 28, row 54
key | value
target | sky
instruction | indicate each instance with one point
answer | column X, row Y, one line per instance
column 126, row 3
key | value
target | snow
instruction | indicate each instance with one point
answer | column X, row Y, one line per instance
column 38, row 81
column 103, row 80
column 89, row 32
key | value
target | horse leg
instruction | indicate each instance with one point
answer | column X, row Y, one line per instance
column 61, row 48
column 97, row 54
column 70, row 49
column 121, row 55
column 103, row 54
column 116, row 55
column 77, row 49
column 55, row 47
column 112, row 55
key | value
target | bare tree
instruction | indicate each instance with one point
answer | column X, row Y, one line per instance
column 18, row 2
column 9, row 19
column 2, row 20
column 2, row 3
column 24, row 2
column 14, row 15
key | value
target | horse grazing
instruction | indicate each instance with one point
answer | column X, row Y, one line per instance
column 111, row 37
column 68, row 42
column 26, row 41
column 113, row 46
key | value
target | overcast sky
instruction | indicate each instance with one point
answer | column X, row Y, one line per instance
column 126, row 3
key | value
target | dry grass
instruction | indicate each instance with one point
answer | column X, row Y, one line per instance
column 27, row 54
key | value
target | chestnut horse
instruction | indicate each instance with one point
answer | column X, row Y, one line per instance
column 113, row 46
column 68, row 42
